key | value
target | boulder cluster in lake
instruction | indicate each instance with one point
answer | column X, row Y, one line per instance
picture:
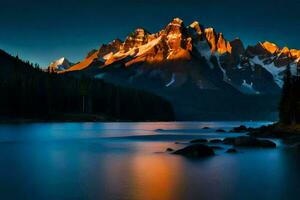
column 248, row 141
column 198, row 149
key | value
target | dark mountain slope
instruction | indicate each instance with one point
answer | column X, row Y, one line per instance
column 28, row 92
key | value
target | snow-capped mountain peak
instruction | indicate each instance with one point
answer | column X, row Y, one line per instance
column 60, row 65
column 193, row 54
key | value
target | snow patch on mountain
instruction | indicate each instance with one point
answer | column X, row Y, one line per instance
column 293, row 68
column 134, row 52
column 60, row 64
column 108, row 56
column 248, row 88
column 145, row 48
column 99, row 76
column 277, row 72
column 171, row 81
column 225, row 77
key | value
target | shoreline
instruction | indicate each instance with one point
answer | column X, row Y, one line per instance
column 289, row 134
column 98, row 118
column 87, row 117
column 68, row 118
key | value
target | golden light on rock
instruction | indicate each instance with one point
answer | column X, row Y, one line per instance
column 176, row 42
column 271, row 47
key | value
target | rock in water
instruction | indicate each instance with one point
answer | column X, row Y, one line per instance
column 216, row 147
column 240, row 129
column 229, row 140
column 266, row 144
column 199, row 141
column 169, row 149
column 215, row 141
column 196, row 151
column 246, row 141
column 231, row 150
column 205, row 128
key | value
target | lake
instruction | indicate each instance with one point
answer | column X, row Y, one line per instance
column 127, row 161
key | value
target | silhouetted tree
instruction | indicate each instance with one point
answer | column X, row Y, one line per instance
column 285, row 102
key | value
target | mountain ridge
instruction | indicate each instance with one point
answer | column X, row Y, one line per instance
column 177, row 41
column 191, row 65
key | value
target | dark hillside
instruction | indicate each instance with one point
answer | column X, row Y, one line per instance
column 28, row 92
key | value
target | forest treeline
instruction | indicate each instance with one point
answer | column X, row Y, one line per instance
column 289, row 108
column 29, row 92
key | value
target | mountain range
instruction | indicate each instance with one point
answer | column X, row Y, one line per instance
column 201, row 73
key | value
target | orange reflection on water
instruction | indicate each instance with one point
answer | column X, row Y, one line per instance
column 157, row 125
column 155, row 178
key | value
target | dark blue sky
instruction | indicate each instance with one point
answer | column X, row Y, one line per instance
column 44, row 30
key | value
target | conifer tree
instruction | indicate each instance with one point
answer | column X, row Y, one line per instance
column 285, row 102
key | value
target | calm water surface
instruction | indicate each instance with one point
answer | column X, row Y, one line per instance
column 128, row 161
